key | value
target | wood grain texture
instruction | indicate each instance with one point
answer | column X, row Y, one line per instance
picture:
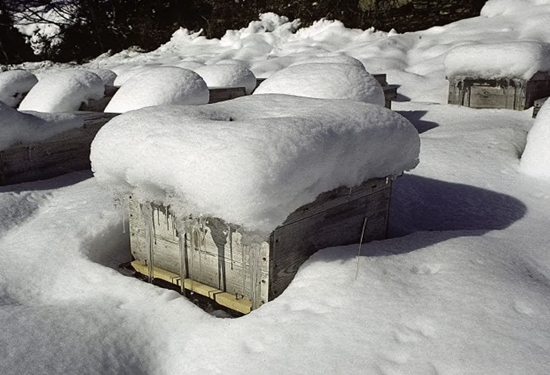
column 516, row 94
column 64, row 153
column 327, row 226
column 228, row 258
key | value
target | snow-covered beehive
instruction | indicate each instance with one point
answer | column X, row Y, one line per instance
column 233, row 197
column 503, row 75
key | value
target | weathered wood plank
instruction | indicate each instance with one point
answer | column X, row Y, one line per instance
column 219, row 94
column 337, row 225
column 64, row 153
column 232, row 301
column 516, row 94
column 390, row 94
column 219, row 255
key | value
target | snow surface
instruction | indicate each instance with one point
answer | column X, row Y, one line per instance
column 63, row 91
column 498, row 60
column 535, row 160
column 107, row 76
column 18, row 127
column 14, row 85
column 462, row 287
column 254, row 160
column 326, row 81
column 161, row 85
column 227, row 75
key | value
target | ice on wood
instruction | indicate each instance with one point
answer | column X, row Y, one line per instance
column 252, row 160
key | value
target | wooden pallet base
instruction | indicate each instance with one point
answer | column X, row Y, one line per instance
column 231, row 301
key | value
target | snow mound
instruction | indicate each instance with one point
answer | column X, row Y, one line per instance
column 63, row 91
column 498, row 60
column 17, row 127
column 535, row 160
column 228, row 75
column 107, row 76
column 494, row 8
column 162, row 85
column 325, row 81
column 190, row 65
column 252, row 160
column 14, row 85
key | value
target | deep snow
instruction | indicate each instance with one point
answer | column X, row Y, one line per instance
column 462, row 287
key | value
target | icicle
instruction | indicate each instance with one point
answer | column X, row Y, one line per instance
column 167, row 215
column 183, row 255
column 230, row 245
column 147, row 215
column 124, row 207
column 153, row 224
column 254, row 277
column 244, row 250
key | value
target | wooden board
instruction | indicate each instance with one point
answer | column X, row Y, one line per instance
column 390, row 94
column 214, row 252
column 242, row 305
column 516, row 94
column 61, row 154
column 336, row 218
column 219, row 94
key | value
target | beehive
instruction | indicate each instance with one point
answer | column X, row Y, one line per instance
column 241, row 269
column 504, row 93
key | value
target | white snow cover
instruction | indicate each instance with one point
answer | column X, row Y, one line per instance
column 14, row 85
column 18, row 127
column 326, row 81
column 460, row 287
column 227, row 75
column 107, row 76
column 161, row 85
column 253, row 160
column 63, row 91
column 535, row 160
column 495, row 8
column 498, row 60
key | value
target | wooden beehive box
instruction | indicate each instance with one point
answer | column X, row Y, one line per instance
column 243, row 270
column 64, row 153
column 505, row 93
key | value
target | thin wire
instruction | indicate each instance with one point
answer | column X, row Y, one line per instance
column 360, row 244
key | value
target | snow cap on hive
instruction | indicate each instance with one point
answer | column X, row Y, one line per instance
column 498, row 60
column 63, row 91
column 331, row 78
column 14, row 85
column 158, row 86
column 228, row 75
column 253, row 160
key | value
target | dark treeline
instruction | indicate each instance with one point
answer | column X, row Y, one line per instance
column 97, row 26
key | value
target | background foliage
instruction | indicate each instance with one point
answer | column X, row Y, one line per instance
column 97, row 26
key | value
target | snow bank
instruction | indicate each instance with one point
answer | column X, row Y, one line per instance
column 162, row 85
column 14, row 85
column 252, row 160
column 494, row 8
column 498, row 60
column 535, row 160
column 228, row 75
column 326, row 81
column 17, row 127
column 63, row 91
